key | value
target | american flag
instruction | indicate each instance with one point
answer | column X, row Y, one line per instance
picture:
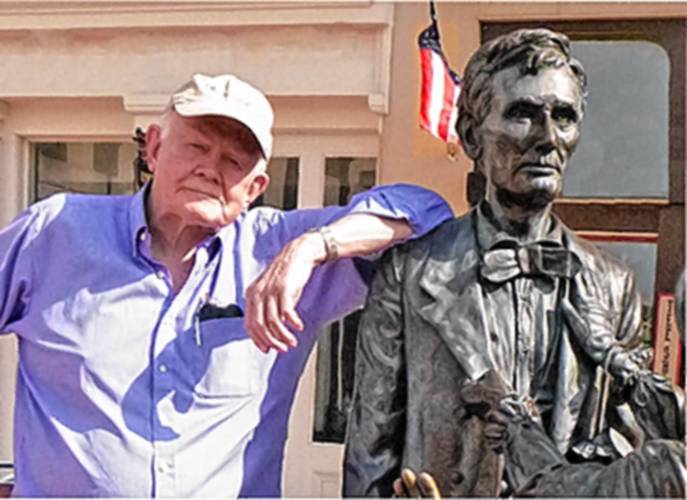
column 440, row 88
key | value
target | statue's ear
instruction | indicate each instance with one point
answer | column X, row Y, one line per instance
column 468, row 133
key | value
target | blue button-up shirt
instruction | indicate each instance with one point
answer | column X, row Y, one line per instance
column 125, row 388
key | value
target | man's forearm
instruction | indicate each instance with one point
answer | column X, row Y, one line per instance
column 370, row 223
column 355, row 235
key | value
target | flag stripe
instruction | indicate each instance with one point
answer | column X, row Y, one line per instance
column 426, row 96
column 436, row 102
column 452, row 132
column 447, row 107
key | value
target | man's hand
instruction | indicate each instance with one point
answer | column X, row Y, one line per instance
column 272, row 298
column 411, row 486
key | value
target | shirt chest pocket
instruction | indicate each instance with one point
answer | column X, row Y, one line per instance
column 231, row 358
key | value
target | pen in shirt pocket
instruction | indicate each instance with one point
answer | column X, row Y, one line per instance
column 208, row 310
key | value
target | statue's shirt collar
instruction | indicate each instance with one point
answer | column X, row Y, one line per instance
column 490, row 233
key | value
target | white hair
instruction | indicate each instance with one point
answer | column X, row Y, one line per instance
column 165, row 120
column 261, row 166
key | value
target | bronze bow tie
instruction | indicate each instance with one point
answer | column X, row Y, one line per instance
column 502, row 264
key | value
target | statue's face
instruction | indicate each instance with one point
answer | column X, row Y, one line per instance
column 530, row 132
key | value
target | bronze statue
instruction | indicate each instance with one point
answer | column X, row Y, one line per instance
column 498, row 290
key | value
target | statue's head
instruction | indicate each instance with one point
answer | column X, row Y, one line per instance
column 519, row 115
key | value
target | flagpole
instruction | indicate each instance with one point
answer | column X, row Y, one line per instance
column 433, row 12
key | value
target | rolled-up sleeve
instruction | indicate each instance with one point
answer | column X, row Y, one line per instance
column 421, row 208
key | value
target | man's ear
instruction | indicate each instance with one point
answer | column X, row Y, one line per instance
column 468, row 133
column 258, row 186
column 153, row 142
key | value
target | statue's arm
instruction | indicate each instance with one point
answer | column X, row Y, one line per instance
column 605, row 319
column 375, row 437
column 630, row 324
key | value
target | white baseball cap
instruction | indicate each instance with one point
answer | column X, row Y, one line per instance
column 227, row 95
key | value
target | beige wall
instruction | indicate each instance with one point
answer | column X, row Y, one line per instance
column 410, row 154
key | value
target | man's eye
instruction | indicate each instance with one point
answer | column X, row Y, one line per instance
column 196, row 146
column 232, row 163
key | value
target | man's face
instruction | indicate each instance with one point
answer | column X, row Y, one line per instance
column 529, row 134
column 203, row 173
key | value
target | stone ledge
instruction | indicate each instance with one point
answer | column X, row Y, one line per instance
column 128, row 13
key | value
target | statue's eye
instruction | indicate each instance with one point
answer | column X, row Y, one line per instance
column 522, row 111
column 565, row 116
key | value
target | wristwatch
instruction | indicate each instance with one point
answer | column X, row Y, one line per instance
column 331, row 248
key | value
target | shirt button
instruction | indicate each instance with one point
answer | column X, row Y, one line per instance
column 163, row 368
column 142, row 236
column 160, row 274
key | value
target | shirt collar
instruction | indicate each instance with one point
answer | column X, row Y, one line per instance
column 490, row 233
column 138, row 226
column 137, row 217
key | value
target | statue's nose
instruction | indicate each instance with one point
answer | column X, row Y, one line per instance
column 546, row 135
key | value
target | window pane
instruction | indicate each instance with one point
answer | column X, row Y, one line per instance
column 282, row 191
column 344, row 177
column 623, row 150
column 335, row 377
column 95, row 168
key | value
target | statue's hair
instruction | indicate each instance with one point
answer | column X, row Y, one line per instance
column 528, row 49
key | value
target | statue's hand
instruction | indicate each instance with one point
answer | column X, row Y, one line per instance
column 498, row 419
column 411, row 486
column 623, row 367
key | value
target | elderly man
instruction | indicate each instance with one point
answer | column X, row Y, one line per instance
column 486, row 291
column 136, row 374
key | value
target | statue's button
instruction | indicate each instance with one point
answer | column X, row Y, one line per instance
column 457, row 477
column 524, row 260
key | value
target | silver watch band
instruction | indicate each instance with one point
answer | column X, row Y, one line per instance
column 331, row 247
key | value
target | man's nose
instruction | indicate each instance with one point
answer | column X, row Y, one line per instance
column 208, row 167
